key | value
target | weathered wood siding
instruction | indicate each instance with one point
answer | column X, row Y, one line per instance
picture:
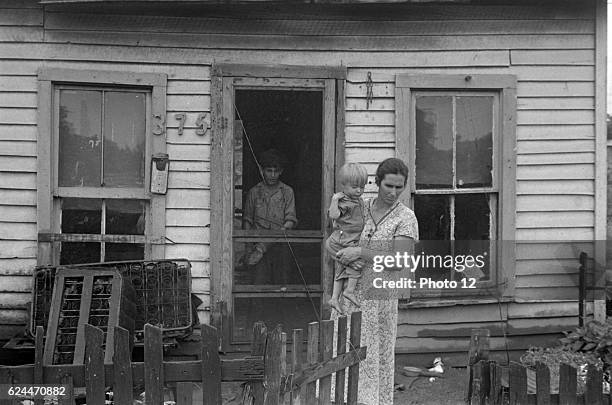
column 549, row 48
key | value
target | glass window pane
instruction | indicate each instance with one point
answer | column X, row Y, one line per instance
column 125, row 217
column 123, row 251
column 79, row 252
column 81, row 215
column 124, row 138
column 474, row 141
column 433, row 215
column 434, row 142
column 291, row 313
column 273, row 263
column 472, row 232
column 80, row 138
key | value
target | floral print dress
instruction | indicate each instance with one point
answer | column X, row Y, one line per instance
column 379, row 317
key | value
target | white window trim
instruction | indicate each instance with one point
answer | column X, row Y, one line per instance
column 47, row 155
column 505, row 85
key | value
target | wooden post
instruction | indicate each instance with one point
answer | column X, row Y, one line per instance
column 153, row 365
column 326, row 349
column 518, row 384
column 567, row 385
column 353, row 373
column 479, row 350
column 211, row 366
column 340, row 349
column 122, row 367
column 39, row 348
column 542, row 384
column 485, row 381
column 94, row 365
column 273, row 367
column 582, row 287
column 475, row 383
column 593, row 394
column 297, row 361
column 308, row 395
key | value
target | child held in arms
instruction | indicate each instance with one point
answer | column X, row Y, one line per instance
column 347, row 210
column 270, row 204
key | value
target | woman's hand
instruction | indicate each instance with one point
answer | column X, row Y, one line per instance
column 348, row 255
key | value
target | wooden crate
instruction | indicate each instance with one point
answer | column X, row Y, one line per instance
column 99, row 297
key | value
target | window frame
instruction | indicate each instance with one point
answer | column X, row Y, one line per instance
column 504, row 180
column 49, row 194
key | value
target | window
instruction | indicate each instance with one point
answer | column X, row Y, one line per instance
column 96, row 140
column 458, row 134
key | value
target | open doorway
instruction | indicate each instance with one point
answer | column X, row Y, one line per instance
column 282, row 284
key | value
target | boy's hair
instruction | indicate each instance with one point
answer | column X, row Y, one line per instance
column 272, row 158
column 353, row 172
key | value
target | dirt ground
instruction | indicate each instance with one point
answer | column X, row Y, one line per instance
column 448, row 390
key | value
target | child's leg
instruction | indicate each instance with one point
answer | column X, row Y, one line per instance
column 337, row 290
column 349, row 290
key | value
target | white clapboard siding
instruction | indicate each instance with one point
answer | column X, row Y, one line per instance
column 546, row 187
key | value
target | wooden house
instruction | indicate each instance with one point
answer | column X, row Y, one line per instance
column 130, row 130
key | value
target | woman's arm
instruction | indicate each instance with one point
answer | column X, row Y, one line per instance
column 350, row 254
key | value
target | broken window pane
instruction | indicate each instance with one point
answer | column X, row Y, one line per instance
column 291, row 313
column 123, row 251
column 80, row 138
column 81, row 215
column 474, row 141
column 273, row 263
column 125, row 217
column 79, row 252
column 124, row 138
column 434, row 142
column 434, row 216
column 472, row 231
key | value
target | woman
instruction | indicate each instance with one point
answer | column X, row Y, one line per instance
column 389, row 226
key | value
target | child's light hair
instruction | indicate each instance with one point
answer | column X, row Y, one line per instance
column 353, row 172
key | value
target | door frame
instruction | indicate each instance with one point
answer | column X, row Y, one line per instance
column 224, row 78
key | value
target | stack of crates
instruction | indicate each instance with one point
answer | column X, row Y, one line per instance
column 162, row 288
column 99, row 297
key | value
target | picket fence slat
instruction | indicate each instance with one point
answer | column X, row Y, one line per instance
column 184, row 393
column 154, row 367
column 122, row 367
column 593, row 394
column 518, row 384
column 94, row 365
column 567, row 385
column 211, row 366
column 327, row 352
column 39, row 349
column 542, row 384
column 68, row 399
column 297, row 359
column 308, row 368
column 312, row 356
column 340, row 349
column 353, row 373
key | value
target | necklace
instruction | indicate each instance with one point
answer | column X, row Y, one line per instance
column 372, row 231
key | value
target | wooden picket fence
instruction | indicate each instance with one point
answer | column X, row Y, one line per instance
column 487, row 387
column 270, row 379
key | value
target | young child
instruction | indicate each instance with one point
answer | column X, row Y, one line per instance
column 270, row 204
column 346, row 210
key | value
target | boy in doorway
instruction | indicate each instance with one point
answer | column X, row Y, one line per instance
column 347, row 210
column 270, row 204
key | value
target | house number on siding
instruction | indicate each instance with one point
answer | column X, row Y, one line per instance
column 159, row 124
column 202, row 122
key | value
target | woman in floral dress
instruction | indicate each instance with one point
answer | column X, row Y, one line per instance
column 389, row 226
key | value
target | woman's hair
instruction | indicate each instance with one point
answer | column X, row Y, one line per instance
column 391, row 166
column 353, row 173
column 272, row 158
